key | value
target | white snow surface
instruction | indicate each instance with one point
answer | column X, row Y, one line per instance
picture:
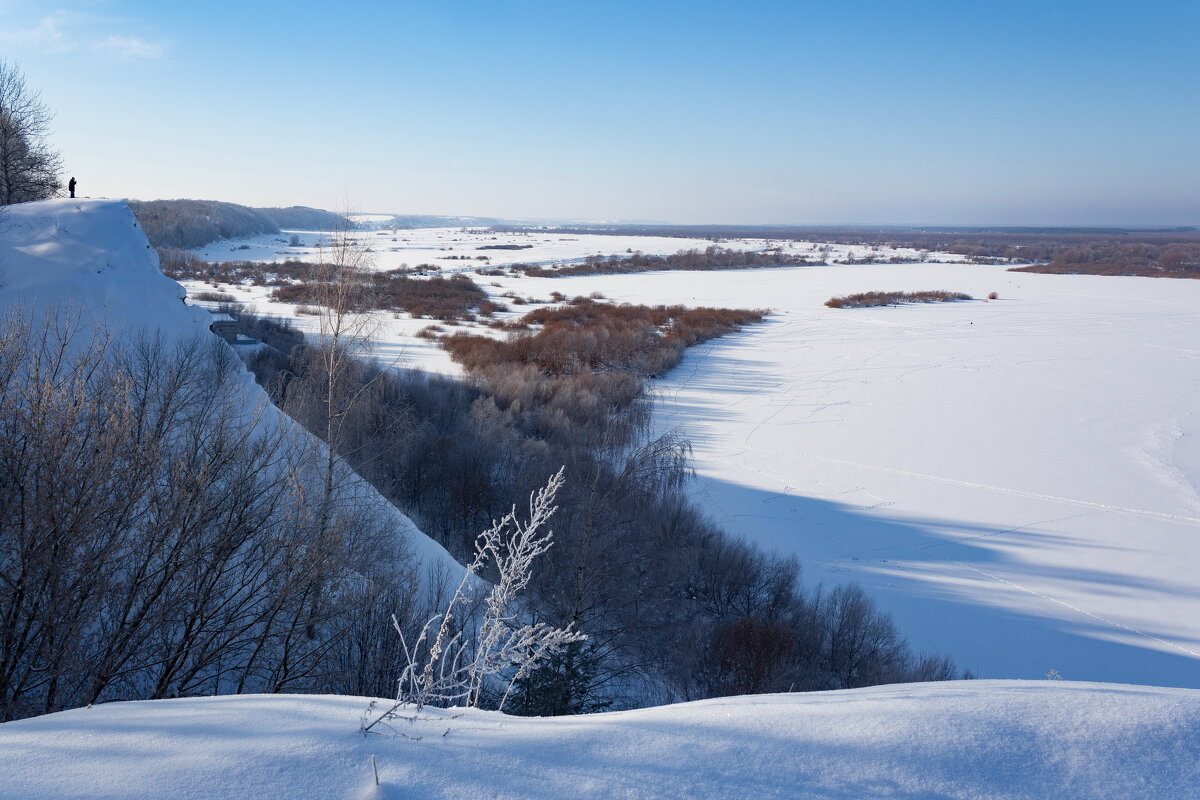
column 91, row 256
column 458, row 249
column 1014, row 480
column 993, row 740
column 1017, row 481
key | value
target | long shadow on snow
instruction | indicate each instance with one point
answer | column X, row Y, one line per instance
column 919, row 571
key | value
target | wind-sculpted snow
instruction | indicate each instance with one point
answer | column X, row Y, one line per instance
column 986, row 740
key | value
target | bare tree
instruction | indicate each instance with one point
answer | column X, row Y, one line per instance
column 157, row 535
column 29, row 167
column 324, row 399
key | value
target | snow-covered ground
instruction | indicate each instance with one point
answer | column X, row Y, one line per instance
column 987, row 740
column 455, row 250
column 458, row 249
column 1015, row 480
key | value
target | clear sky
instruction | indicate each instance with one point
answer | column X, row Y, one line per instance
column 959, row 112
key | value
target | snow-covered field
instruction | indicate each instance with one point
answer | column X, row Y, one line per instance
column 1015, row 480
column 988, row 740
column 454, row 250
column 458, row 249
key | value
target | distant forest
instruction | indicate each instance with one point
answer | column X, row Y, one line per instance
column 1115, row 257
column 1162, row 252
column 707, row 259
column 173, row 225
column 187, row 224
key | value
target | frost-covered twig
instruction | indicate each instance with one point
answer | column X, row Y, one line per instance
column 445, row 665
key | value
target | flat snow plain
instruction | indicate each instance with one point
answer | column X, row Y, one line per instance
column 970, row 740
column 1014, row 480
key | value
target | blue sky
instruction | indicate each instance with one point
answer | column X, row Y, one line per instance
column 771, row 112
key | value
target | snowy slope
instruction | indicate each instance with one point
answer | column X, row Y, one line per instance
column 91, row 255
column 1042, row 740
column 1015, row 480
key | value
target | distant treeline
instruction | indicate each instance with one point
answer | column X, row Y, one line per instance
column 409, row 221
column 443, row 298
column 187, row 224
column 303, row 218
column 707, row 259
column 1175, row 260
column 974, row 244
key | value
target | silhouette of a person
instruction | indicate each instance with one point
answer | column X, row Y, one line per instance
column 71, row 186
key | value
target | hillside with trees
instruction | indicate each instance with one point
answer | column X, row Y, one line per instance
column 189, row 224
column 303, row 218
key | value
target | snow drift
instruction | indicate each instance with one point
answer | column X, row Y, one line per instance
column 975, row 739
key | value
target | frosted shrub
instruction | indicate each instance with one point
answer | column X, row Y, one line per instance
column 447, row 664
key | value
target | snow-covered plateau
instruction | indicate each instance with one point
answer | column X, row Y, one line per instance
column 983, row 740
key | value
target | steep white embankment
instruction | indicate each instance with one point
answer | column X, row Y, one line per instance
column 1043, row 740
column 91, row 256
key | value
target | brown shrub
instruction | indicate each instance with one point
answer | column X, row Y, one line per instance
column 872, row 299
column 216, row 297
column 489, row 307
column 430, row 332
column 435, row 297
column 596, row 337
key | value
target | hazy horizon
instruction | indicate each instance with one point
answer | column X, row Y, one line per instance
column 770, row 113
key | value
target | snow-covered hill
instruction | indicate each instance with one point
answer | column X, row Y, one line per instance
column 91, row 256
column 990, row 740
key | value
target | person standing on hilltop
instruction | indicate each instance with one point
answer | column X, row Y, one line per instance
column 71, row 186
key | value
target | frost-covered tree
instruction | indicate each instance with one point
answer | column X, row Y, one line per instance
column 29, row 167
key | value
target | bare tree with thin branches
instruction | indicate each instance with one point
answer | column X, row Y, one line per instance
column 29, row 167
